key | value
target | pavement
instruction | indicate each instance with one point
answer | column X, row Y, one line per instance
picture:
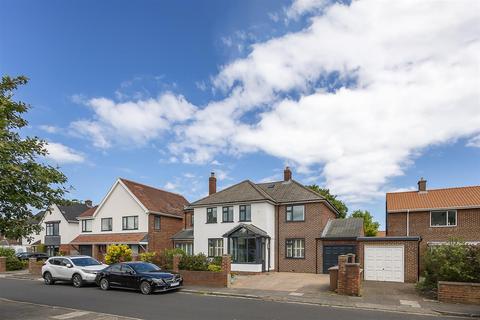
column 178, row 305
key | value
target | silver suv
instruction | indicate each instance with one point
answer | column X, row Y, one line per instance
column 77, row 269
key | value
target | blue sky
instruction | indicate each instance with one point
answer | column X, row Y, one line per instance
column 164, row 93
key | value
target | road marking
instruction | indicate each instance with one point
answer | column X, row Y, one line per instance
column 296, row 294
column 411, row 303
column 70, row 315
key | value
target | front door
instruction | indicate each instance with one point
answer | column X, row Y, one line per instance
column 85, row 250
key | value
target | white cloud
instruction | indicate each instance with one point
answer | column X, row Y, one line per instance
column 416, row 71
column 63, row 154
column 132, row 121
column 170, row 186
column 49, row 129
column 474, row 142
column 301, row 7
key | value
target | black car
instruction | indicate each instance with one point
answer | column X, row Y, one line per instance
column 138, row 275
column 27, row 255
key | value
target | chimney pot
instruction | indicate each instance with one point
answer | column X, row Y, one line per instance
column 287, row 174
column 88, row 203
column 212, row 183
column 422, row 185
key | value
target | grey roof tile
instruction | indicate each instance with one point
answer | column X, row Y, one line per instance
column 249, row 227
column 343, row 228
column 185, row 234
column 71, row 212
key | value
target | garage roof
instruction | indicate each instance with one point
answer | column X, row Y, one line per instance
column 343, row 228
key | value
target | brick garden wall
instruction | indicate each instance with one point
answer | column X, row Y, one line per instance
column 410, row 258
column 205, row 278
column 3, row 264
column 159, row 240
column 459, row 292
column 316, row 217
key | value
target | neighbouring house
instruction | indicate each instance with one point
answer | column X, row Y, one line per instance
column 140, row 216
column 59, row 226
column 184, row 238
column 263, row 226
column 434, row 215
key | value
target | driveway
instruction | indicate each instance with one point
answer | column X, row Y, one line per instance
column 283, row 281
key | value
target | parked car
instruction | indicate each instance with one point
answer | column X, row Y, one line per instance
column 142, row 276
column 77, row 269
column 28, row 255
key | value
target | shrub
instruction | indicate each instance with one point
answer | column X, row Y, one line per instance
column 165, row 260
column 198, row 262
column 214, row 267
column 118, row 253
column 41, row 248
column 12, row 263
column 454, row 261
column 148, row 256
column 216, row 261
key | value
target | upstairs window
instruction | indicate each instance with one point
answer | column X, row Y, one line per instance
column 295, row 213
column 87, row 225
column 106, row 224
column 156, row 224
column 52, row 229
column 443, row 218
column 130, row 223
column 211, row 215
column 245, row 213
column 227, row 214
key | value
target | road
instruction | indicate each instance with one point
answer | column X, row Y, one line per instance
column 178, row 305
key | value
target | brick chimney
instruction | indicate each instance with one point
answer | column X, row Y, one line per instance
column 212, row 184
column 422, row 185
column 88, row 203
column 287, row 174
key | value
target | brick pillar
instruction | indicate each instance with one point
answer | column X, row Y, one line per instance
column 176, row 262
column 3, row 264
column 354, row 282
column 342, row 274
column 95, row 251
column 34, row 267
column 226, row 269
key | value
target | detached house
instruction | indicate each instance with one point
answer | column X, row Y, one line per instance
column 435, row 215
column 263, row 226
column 59, row 226
column 143, row 217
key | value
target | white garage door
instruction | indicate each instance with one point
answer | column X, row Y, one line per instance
column 384, row 263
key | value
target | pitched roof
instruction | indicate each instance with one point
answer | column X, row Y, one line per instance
column 449, row 198
column 157, row 200
column 343, row 228
column 290, row 191
column 249, row 228
column 89, row 212
column 123, row 238
column 241, row 192
column 186, row 234
column 277, row 192
column 72, row 211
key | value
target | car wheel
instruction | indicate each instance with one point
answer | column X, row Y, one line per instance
column 48, row 279
column 145, row 287
column 104, row 284
column 77, row 280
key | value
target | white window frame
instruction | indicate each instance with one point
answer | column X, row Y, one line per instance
column 125, row 223
column 446, row 217
column 85, row 224
column 187, row 247
column 296, row 250
column 217, row 247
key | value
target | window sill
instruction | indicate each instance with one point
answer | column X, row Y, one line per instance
column 86, row 231
column 210, row 222
column 106, row 230
column 449, row 226
column 292, row 221
column 293, row 258
column 244, row 220
column 227, row 221
column 129, row 229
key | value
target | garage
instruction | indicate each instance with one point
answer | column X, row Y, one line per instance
column 331, row 253
column 384, row 263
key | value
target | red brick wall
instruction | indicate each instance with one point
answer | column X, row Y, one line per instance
column 159, row 240
column 67, row 249
column 321, row 243
column 410, row 258
column 316, row 217
column 3, row 264
column 459, row 292
column 188, row 219
column 204, row 278
column 468, row 227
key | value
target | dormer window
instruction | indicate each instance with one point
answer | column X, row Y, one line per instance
column 443, row 218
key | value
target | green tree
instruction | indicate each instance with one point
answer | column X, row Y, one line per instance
column 370, row 226
column 338, row 204
column 26, row 184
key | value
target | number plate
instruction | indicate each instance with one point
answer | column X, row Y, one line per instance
column 174, row 284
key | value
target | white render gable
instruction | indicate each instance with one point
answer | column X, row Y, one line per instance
column 118, row 203
column 262, row 216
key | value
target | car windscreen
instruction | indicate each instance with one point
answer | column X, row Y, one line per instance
column 144, row 267
column 85, row 262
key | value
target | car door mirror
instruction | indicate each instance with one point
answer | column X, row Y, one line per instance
column 130, row 272
column 69, row 265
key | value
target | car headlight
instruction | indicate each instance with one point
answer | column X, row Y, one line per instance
column 89, row 271
column 158, row 281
